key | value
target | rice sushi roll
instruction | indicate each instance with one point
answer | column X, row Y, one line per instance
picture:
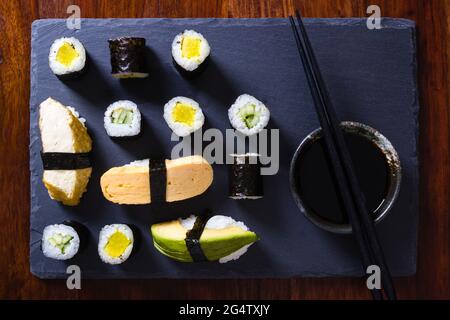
column 183, row 116
column 248, row 115
column 245, row 177
column 67, row 57
column 115, row 243
column 122, row 119
column 62, row 241
column 203, row 238
column 128, row 57
column 190, row 51
column 66, row 145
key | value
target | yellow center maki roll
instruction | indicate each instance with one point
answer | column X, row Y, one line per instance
column 117, row 244
column 66, row 54
column 184, row 113
column 190, row 50
column 67, row 57
column 190, row 47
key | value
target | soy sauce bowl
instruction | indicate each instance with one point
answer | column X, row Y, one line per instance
column 393, row 173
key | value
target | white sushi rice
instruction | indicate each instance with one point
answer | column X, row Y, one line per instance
column 235, row 255
column 51, row 251
column 77, row 64
column 179, row 128
column 122, row 130
column 215, row 222
column 239, row 124
column 219, row 222
column 192, row 63
column 106, row 232
column 139, row 163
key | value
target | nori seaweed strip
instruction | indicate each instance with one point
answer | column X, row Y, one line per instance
column 65, row 160
column 158, row 180
column 127, row 55
column 193, row 238
column 245, row 178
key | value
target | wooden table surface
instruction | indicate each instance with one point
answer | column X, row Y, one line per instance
column 433, row 275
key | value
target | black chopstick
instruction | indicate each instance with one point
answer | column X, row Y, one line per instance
column 336, row 163
column 352, row 197
column 347, row 161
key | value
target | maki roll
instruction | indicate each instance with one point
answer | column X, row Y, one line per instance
column 128, row 57
column 150, row 181
column 245, row 177
column 66, row 145
column 67, row 57
column 190, row 51
column 183, row 116
column 248, row 115
column 122, row 119
column 203, row 238
column 62, row 241
column 115, row 243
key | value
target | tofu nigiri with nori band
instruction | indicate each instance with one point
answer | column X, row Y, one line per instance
column 65, row 152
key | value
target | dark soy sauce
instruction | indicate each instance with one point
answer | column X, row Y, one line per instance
column 317, row 184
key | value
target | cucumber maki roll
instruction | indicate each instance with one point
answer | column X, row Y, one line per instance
column 67, row 58
column 62, row 241
column 190, row 51
column 248, row 115
column 115, row 243
column 128, row 57
column 122, row 119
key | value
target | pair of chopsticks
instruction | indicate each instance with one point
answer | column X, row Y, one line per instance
column 354, row 203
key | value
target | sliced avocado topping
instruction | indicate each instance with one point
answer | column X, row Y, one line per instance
column 60, row 241
column 249, row 115
column 122, row 116
column 169, row 239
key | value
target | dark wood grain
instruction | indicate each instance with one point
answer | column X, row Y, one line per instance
column 433, row 276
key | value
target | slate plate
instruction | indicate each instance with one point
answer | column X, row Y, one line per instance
column 371, row 75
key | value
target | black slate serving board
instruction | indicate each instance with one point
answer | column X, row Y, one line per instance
column 371, row 75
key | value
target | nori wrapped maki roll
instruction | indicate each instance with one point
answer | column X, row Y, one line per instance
column 63, row 241
column 115, row 243
column 122, row 119
column 67, row 58
column 190, row 53
column 128, row 57
column 245, row 177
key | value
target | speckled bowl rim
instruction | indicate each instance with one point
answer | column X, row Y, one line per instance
column 394, row 168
